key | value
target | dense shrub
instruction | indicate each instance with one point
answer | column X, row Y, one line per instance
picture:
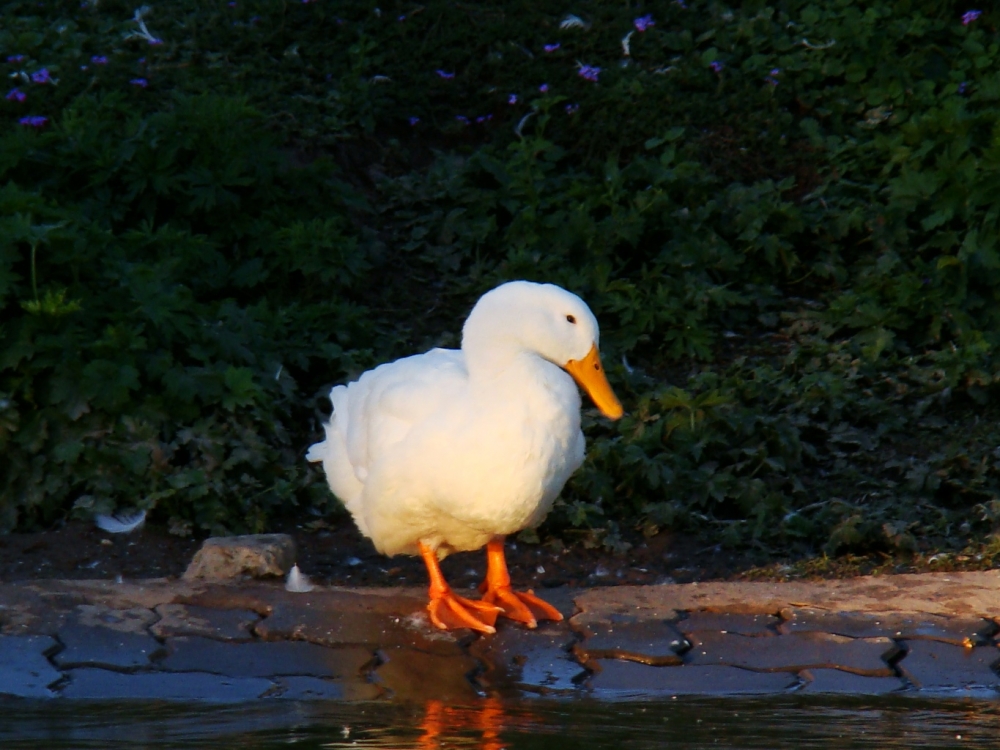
column 783, row 215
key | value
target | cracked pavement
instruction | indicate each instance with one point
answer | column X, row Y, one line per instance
column 237, row 641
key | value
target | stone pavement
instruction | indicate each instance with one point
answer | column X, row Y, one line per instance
column 253, row 640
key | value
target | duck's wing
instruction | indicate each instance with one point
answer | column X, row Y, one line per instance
column 377, row 411
column 396, row 396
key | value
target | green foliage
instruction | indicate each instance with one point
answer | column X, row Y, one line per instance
column 783, row 215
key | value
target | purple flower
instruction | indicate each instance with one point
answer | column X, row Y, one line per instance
column 99, row 60
column 961, row 87
column 34, row 121
column 155, row 42
column 970, row 16
column 512, row 99
column 716, row 65
column 413, row 121
column 484, row 118
column 544, row 88
column 462, row 119
column 15, row 58
column 140, row 82
column 445, row 75
column 41, row 76
column 572, row 109
column 16, row 95
column 641, row 24
column 142, row 60
column 551, row 47
column 588, row 72
column 681, row 3
column 772, row 77
column 401, row 18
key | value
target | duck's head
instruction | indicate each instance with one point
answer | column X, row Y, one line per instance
column 548, row 321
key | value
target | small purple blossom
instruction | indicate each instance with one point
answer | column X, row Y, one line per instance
column 551, row 47
column 401, row 18
column 413, row 121
column 716, row 65
column 462, row 119
column 99, row 60
column 231, row 4
column 970, row 16
column 588, row 72
column 963, row 87
column 484, row 118
column 512, row 99
column 681, row 3
column 34, row 121
column 544, row 88
column 41, row 76
column 646, row 22
column 15, row 58
column 445, row 75
column 142, row 60
column 16, row 95
column 772, row 77
column 140, row 82
column 572, row 109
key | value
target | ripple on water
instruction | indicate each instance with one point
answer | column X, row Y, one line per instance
column 798, row 722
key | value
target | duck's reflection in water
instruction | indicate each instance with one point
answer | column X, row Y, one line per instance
column 479, row 725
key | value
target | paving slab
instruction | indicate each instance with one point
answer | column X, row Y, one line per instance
column 332, row 618
column 795, row 652
column 642, row 635
column 623, row 680
column 408, row 674
column 961, row 631
column 738, row 623
column 90, row 645
column 25, row 671
column 969, row 593
column 221, row 624
column 315, row 688
column 538, row 661
column 260, row 659
column 932, row 665
column 846, row 683
column 103, row 684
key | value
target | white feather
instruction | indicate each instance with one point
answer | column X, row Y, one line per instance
column 121, row 523
column 298, row 582
column 573, row 22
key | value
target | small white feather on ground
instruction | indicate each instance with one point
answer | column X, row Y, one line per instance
column 298, row 582
column 121, row 523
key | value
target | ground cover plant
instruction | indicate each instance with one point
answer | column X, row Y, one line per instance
column 783, row 214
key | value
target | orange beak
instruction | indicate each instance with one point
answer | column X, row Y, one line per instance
column 589, row 374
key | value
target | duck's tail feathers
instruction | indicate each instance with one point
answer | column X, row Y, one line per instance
column 332, row 452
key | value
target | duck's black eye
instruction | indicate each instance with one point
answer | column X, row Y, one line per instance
column 571, row 319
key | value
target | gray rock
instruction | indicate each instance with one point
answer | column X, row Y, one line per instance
column 254, row 555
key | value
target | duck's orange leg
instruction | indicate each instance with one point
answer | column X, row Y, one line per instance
column 521, row 606
column 447, row 609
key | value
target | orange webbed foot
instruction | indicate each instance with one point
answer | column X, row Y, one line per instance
column 449, row 611
column 519, row 606
column 522, row 606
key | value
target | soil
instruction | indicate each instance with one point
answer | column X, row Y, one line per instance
column 339, row 555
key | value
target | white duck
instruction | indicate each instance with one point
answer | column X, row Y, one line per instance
column 450, row 451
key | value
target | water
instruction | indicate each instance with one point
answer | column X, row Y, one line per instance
column 786, row 722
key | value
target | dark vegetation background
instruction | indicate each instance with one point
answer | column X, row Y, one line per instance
column 784, row 215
